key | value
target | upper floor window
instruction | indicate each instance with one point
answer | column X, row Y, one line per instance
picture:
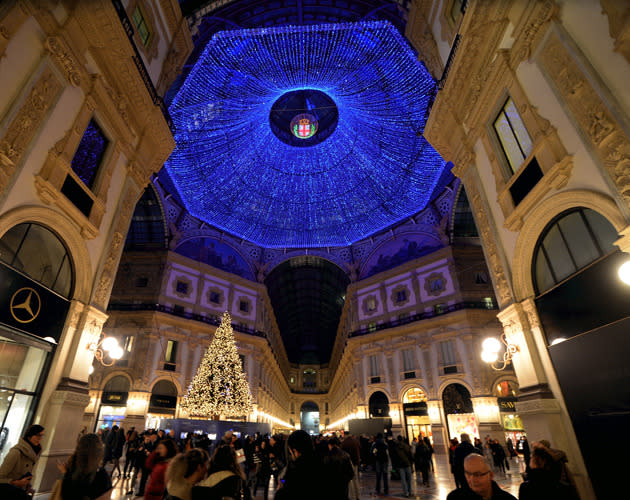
column 170, row 356
column 512, row 134
column 215, row 297
column 401, row 296
column 569, row 243
column 447, row 353
column 141, row 26
column 456, row 10
column 243, row 306
column 409, row 361
column 375, row 367
column 89, row 155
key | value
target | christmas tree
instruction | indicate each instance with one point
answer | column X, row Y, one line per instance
column 219, row 387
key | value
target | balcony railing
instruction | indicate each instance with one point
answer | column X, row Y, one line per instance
column 211, row 320
column 437, row 311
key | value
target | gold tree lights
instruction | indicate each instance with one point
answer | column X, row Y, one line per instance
column 220, row 386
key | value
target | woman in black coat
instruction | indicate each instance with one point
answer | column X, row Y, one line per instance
column 422, row 460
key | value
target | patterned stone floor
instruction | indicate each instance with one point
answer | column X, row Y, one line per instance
column 441, row 484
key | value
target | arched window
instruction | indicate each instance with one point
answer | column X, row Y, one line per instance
column 570, row 242
column 117, row 384
column 37, row 252
column 414, row 395
column 463, row 222
column 379, row 405
column 147, row 230
column 164, row 388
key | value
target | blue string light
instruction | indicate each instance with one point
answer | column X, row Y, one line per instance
column 372, row 171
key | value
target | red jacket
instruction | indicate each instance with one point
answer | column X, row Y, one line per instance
column 157, row 480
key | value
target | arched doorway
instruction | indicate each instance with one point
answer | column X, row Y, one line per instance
column 379, row 405
column 163, row 402
column 458, row 408
column 113, row 402
column 416, row 414
column 506, row 392
column 309, row 417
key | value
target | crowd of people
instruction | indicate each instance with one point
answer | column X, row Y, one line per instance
column 299, row 466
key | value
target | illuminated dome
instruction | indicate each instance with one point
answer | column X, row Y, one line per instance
column 368, row 166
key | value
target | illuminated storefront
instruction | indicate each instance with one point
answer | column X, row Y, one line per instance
column 416, row 414
column 36, row 277
column 460, row 415
column 113, row 407
column 506, row 393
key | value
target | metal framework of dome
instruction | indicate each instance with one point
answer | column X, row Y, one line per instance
column 374, row 169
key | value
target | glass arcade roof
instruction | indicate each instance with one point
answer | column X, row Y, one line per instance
column 373, row 170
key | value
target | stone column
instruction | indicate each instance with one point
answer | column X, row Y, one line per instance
column 540, row 404
column 438, row 426
column 62, row 406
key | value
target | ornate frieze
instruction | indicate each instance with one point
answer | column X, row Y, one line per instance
column 619, row 24
column 26, row 123
column 65, row 59
column 590, row 113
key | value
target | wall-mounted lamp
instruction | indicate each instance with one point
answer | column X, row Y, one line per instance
column 624, row 272
column 490, row 353
column 106, row 346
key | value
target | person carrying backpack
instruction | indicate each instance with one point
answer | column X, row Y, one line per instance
column 381, row 460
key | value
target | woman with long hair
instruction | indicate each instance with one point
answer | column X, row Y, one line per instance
column 157, row 463
column 84, row 478
column 226, row 478
column 184, row 471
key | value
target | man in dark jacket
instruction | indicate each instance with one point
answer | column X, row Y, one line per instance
column 479, row 479
column 463, row 449
column 338, row 472
column 381, row 459
column 303, row 478
column 402, row 459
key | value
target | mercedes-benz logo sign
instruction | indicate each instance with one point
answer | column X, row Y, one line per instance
column 25, row 305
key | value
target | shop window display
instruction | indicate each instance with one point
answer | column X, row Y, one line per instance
column 20, row 368
column 416, row 414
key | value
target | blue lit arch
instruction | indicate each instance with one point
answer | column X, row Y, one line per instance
column 374, row 170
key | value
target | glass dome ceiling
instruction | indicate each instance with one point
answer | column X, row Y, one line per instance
column 373, row 169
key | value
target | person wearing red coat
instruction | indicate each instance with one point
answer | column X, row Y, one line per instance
column 157, row 463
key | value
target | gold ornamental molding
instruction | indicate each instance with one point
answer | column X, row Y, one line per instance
column 65, row 59
column 589, row 112
column 26, row 122
column 618, row 14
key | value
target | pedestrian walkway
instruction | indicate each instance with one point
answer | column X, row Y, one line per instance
column 441, row 483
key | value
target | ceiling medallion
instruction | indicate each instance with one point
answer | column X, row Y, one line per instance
column 304, row 126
